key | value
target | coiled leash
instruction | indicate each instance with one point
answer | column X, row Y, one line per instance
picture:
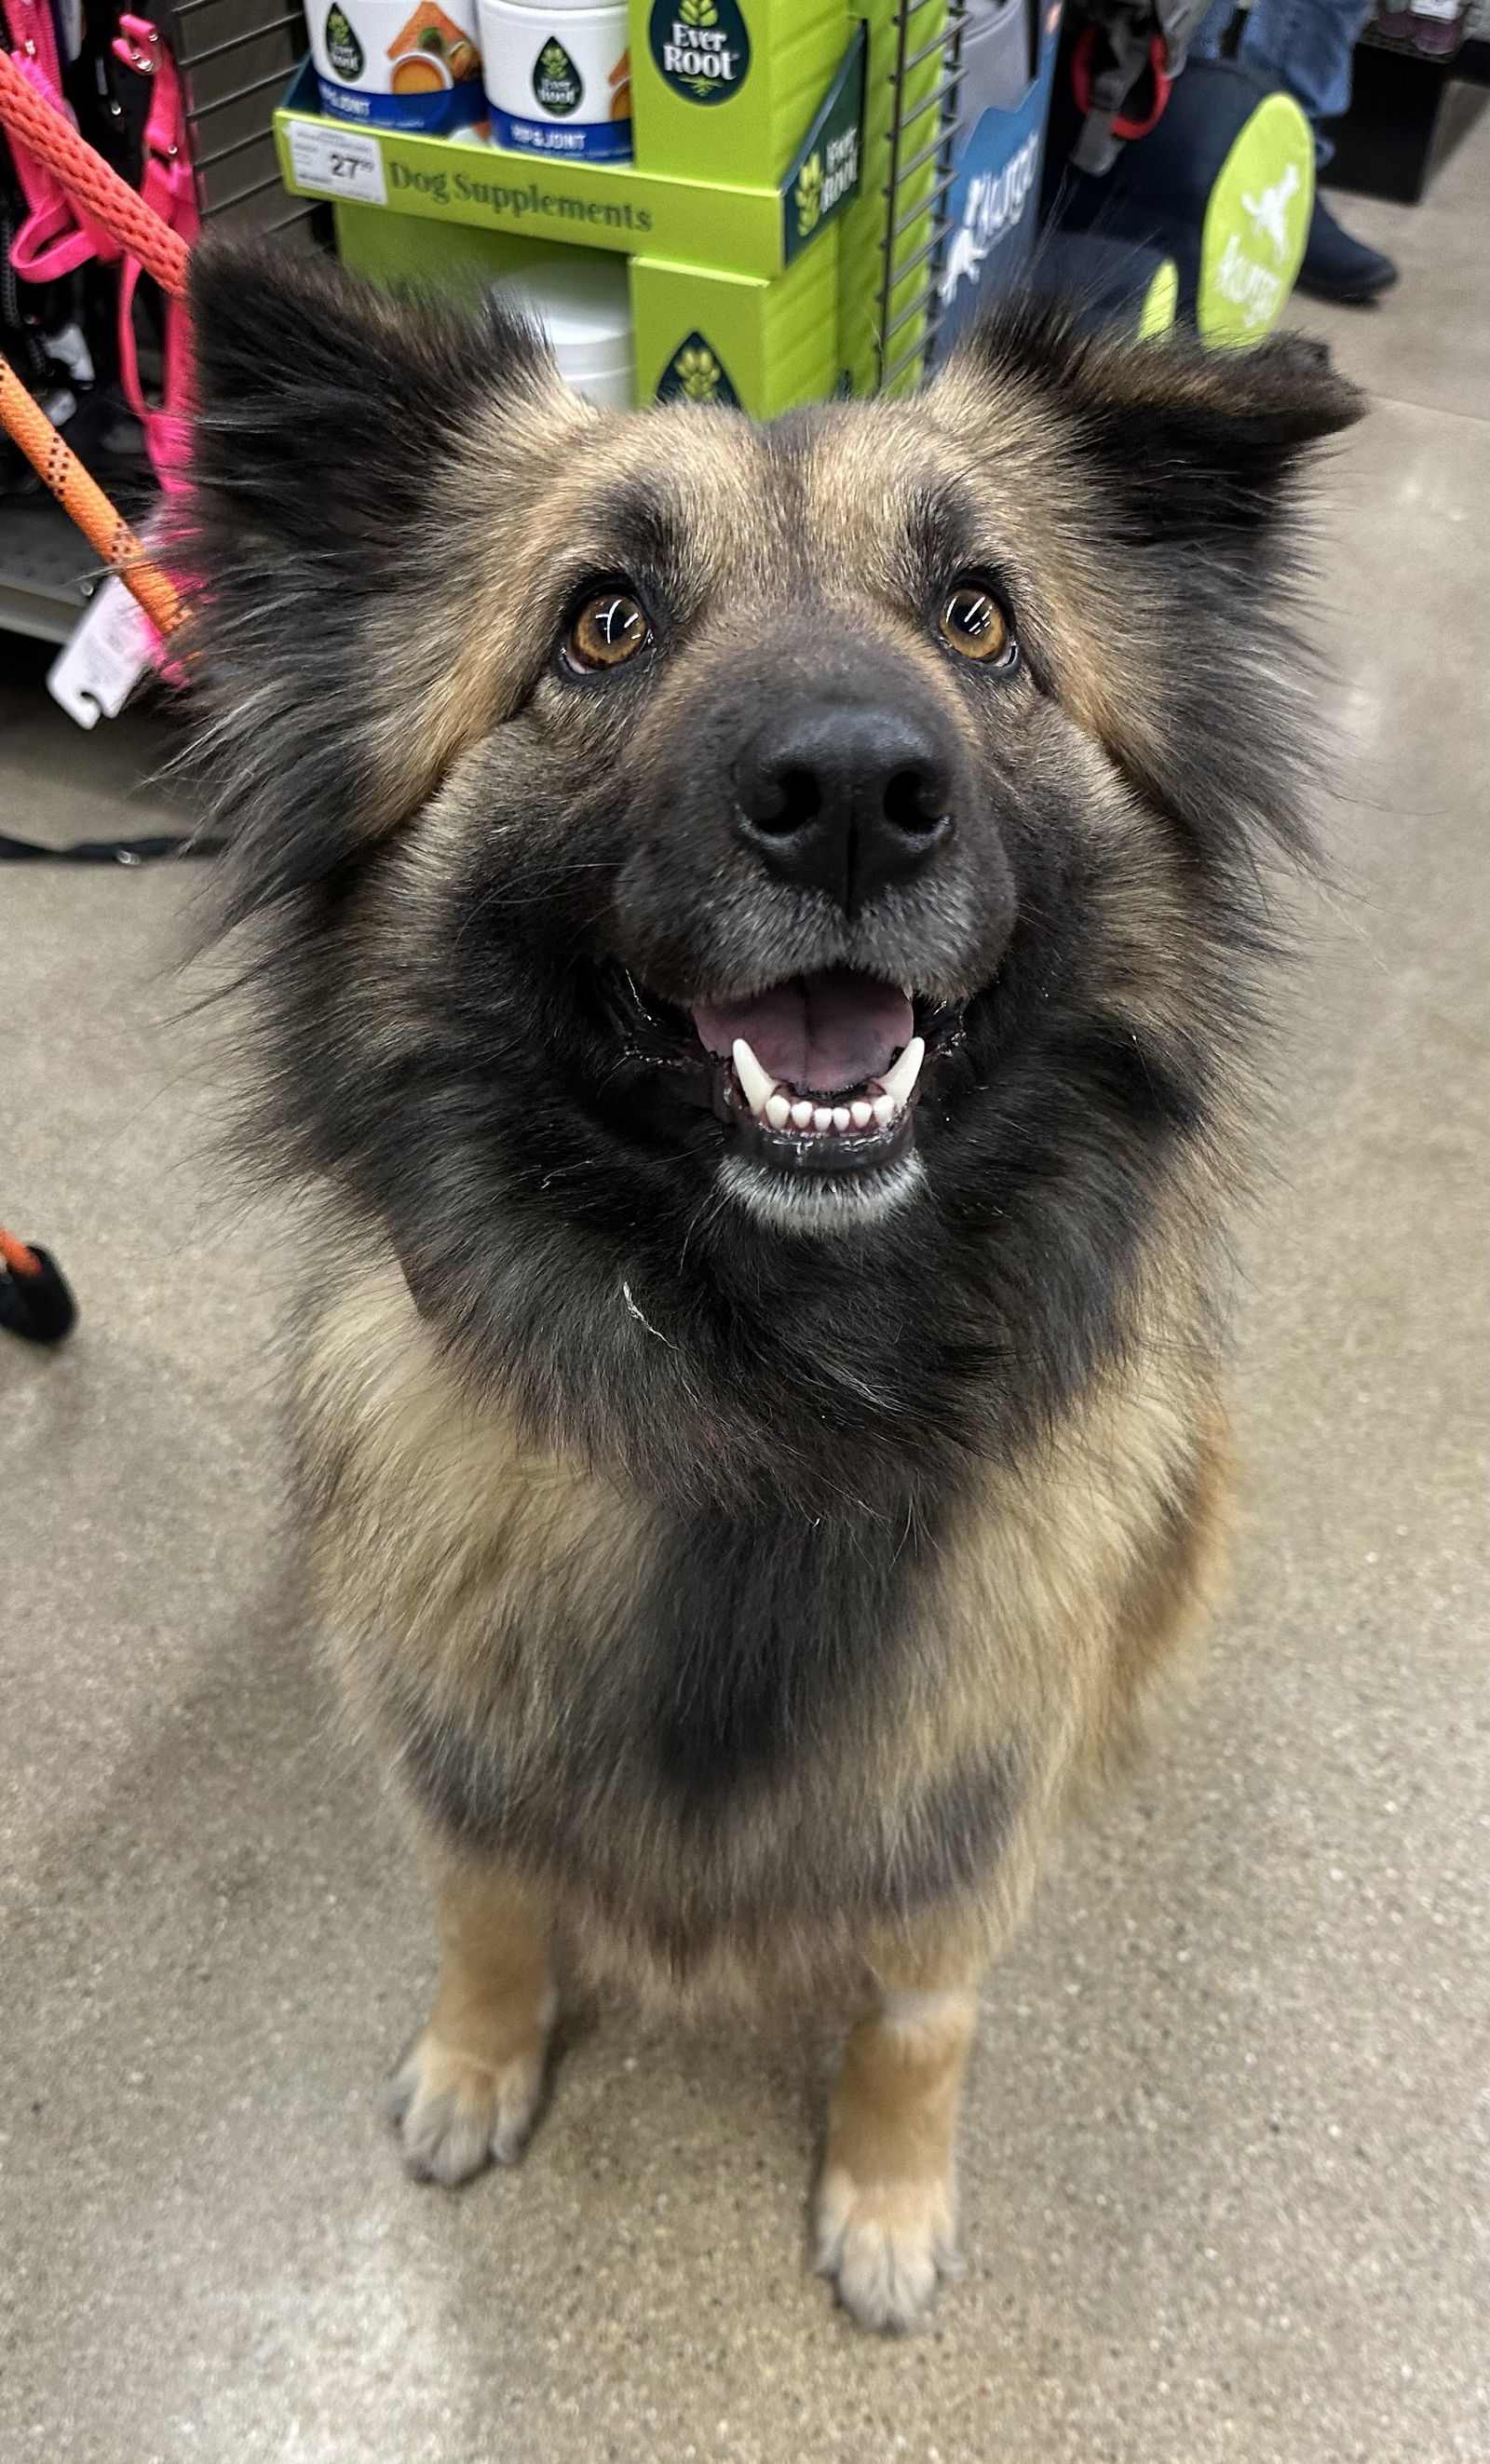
column 34, row 1299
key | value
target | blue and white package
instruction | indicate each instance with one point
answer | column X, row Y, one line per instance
column 404, row 64
column 558, row 80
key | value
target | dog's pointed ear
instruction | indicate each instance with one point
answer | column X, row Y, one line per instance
column 322, row 407
column 363, row 472
column 1192, row 444
column 1158, row 482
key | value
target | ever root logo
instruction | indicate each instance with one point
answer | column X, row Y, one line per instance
column 701, row 48
column 558, row 87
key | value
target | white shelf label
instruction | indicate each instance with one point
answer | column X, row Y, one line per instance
column 338, row 162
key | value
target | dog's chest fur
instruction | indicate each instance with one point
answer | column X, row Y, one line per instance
column 705, row 1724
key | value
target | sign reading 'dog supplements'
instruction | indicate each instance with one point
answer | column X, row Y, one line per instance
column 388, row 64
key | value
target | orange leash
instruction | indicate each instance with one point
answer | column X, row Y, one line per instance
column 27, row 116
column 78, row 494
column 15, row 1254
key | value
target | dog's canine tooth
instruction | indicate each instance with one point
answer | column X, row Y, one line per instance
column 779, row 1110
column 899, row 1081
column 757, row 1087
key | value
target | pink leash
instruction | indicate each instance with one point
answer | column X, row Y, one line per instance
column 169, row 188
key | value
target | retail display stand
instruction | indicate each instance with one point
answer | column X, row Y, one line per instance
column 779, row 237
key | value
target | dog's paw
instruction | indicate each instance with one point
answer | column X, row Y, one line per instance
column 885, row 2245
column 454, row 2115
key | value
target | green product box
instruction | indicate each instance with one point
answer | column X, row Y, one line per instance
column 721, row 90
column 767, row 347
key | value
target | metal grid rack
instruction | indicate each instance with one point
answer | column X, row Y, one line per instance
column 236, row 57
column 921, row 136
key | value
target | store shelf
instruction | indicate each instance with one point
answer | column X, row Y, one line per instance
column 47, row 570
column 730, row 226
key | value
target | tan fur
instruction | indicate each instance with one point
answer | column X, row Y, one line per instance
column 1092, row 1563
column 468, row 2089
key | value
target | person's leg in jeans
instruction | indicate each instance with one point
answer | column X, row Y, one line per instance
column 1307, row 47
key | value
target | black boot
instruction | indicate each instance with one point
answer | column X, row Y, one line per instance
column 1337, row 267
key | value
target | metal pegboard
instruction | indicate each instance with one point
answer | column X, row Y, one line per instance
column 918, row 181
column 236, row 57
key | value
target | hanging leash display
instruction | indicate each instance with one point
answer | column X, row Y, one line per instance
column 38, row 130
column 80, row 208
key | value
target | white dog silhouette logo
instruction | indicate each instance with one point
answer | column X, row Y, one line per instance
column 1269, row 214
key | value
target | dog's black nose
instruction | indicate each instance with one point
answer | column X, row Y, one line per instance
column 845, row 796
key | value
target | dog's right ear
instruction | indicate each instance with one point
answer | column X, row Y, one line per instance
column 323, row 406
column 355, row 460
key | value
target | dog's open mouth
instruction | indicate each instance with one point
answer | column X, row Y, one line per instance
column 817, row 1074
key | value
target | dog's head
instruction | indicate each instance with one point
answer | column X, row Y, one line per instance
column 678, row 830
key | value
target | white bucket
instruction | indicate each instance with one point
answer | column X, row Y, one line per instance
column 398, row 64
column 558, row 80
column 584, row 309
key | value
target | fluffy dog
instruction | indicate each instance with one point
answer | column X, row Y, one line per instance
column 757, row 934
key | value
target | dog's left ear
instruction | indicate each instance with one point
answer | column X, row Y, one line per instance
column 1161, row 482
column 1193, row 445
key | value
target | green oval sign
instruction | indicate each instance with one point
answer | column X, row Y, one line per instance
column 558, row 87
column 1257, row 223
column 701, row 48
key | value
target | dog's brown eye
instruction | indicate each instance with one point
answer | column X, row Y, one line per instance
column 974, row 623
column 610, row 629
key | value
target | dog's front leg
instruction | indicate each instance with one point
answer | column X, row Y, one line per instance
column 887, row 2203
column 468, row 2089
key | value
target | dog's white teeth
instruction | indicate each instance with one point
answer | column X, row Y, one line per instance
column 899, row 1081
column 779, row 1109
column 758, row 1088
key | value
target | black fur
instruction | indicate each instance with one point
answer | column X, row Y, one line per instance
column 686, row 1883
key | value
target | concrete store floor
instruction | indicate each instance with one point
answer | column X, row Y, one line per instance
column 1220, row 2172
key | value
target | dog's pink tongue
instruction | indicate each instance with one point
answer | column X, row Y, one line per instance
column 821, row 1033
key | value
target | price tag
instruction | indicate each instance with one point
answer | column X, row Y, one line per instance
column 338, row 162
